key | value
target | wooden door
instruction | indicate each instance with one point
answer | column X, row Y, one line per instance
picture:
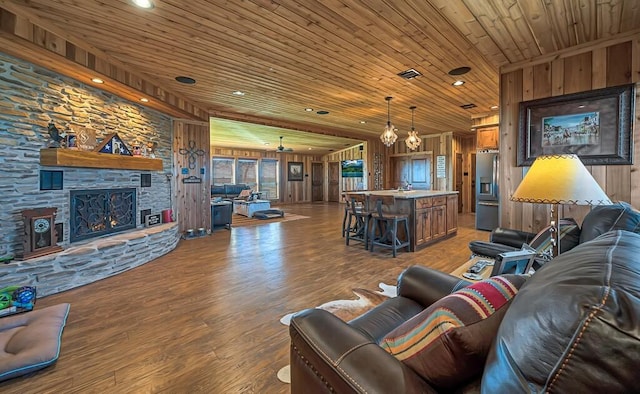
column 458, row 181
column 473, row 182
column 317, row 182
column 334, row 181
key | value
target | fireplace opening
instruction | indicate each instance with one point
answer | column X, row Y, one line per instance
column 99, row 212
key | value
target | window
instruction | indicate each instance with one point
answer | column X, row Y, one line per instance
column 269, row 178
column 260, row 175
column 222, row 170
column 248, row 173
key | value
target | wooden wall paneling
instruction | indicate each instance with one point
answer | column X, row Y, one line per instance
column 599, row 81
column 510, row 175
column 619, row 63
column 577, row 78
column 465, row 145
column 192, row 199
column 635, row 78
column 529, row 80
column 577, row 73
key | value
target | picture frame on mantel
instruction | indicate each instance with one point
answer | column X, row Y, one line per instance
column 595, row 125
column 295, row 170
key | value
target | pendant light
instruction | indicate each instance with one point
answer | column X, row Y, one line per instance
column 413, row 140
column 389, row 135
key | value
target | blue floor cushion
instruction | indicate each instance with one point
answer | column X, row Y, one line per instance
column 31, row 341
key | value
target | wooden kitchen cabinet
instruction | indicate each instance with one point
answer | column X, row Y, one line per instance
column 487, row 138
column 452, row 214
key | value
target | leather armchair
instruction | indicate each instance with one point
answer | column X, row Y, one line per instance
column 599, row 220
column 572, row 328
column 329, row 354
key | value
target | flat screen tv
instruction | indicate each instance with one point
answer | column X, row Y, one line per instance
column 352, row 168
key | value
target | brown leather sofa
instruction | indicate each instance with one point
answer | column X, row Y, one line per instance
column 572, row 328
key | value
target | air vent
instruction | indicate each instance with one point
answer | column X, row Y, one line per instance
column 409, row 74
column 468, row 106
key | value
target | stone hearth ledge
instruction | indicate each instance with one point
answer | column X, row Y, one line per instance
column 89, row 261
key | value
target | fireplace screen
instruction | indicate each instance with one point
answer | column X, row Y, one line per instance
column 100, row 212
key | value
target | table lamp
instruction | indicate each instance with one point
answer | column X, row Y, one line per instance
column 559, row 179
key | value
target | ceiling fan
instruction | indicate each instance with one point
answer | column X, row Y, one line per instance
column 281, row 148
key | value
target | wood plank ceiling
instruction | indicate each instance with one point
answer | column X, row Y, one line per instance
column 340, row 56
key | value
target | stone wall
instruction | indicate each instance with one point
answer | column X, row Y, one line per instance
column 88, row 261
column 31, row 98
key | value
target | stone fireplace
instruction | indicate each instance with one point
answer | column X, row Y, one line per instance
column 99, row 212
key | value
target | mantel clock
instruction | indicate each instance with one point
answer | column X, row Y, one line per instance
column 39, row 232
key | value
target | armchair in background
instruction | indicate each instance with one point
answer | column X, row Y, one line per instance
column 599, row 220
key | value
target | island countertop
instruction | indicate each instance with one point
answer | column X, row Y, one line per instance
column 407, row 194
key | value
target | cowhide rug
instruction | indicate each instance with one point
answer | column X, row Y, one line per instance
column 345, row 310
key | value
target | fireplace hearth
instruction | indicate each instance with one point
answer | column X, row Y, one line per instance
column 99, row 212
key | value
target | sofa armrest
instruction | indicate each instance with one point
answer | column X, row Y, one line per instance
column 510, row 237
column 426, row 286
column 328, row 355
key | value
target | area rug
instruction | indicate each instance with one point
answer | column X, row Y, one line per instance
column 243, row 221
column 345, row 310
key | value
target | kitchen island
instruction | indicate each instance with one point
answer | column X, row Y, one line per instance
column 433, row 214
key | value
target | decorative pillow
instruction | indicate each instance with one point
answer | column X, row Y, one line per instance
column 569, row 237
column 448, row 342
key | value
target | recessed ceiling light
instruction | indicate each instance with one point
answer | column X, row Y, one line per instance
column 494, row 107
column 185, row 80
column 580, row 106
column 363, row 121
column 460, row 70
column 322, row 112
column 458, row 83
column 309, row 109
column 143, row 3
column 310, row 148
column 97, row 80
column 144, row 100
column 266, row 143
column 238, row 93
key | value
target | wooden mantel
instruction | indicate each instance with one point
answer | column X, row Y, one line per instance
column 74, row 158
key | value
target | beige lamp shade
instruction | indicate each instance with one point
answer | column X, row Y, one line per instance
column 560, row 179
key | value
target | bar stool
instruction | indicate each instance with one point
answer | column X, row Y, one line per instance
column 358, row 217
column 346, row 216
column 385, row 225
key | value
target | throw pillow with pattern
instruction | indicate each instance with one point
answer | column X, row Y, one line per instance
column 448, row 342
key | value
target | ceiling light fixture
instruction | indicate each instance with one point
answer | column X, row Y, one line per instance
column 413, row 140
column 143, row 3
column 494, row 107
column 97, row 80
column 363, row 121
column 238, row 93
column 309, row 109
column 458, row 83
column 388, row 136
column 144, row 100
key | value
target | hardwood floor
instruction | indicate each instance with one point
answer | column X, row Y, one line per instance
column 205, row 317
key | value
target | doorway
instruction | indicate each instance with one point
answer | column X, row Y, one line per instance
column 317, row 182
column 334, row 181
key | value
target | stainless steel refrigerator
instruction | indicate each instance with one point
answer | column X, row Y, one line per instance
column 487, row 196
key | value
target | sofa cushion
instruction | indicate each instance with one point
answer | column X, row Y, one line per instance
column 448, row 342
column 605, row 218
column 573, row 328
column 31, row 341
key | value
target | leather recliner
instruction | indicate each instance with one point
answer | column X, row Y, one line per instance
column 599, row 220
column 571, row 328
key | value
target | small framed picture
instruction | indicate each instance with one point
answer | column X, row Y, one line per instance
column 295, row 171
column 71, row 141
